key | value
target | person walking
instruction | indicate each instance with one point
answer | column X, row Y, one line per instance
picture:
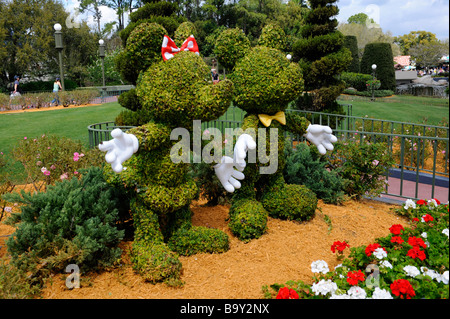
column 17, row 90
column 56, row 87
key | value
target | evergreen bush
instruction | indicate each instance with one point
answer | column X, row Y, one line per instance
column 73, row 222
column 231, row 45
column 273, row 36
column 381, row 55
column 322, row 56
column 304, row 167
column 356, row 80
column 351, row 43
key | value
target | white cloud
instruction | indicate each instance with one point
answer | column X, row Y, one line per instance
column 401, row 17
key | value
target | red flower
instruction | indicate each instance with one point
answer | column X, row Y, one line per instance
column 402, row 288
column 339, row 246
column 415, row 252
column 437, row 201
column 353, row 277
column 286, row 293
column 397, row 239
column 421, row 202
column 371, row 248
column 416, row 242
column 396, row 229
column 427, row 218
column 415, row 219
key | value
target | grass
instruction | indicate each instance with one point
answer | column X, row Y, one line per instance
column 68, row 122
column 410, row 109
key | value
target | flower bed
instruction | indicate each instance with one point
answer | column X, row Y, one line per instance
column 409, row 263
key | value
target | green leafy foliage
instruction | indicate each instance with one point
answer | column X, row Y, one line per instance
column 73, row 222
column 362, row 165
column 248, row 219
column 187, row 242
column 186, row 75
column 231, row 46
column 256, row 94
column 14, row 283
column 351, row 43
column 381, row 55
column 49, row 158
column 305, row 167
column 273, row 36
column 356, row 80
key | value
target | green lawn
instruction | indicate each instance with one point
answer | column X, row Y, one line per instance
column 401, row 108
column 68, row 122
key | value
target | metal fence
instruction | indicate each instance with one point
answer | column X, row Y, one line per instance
column 421, row 151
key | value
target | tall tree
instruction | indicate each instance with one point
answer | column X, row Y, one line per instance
column 413, row 38
column 360, row 18
column 322, row 57
column 30, row 43
column 93, row 6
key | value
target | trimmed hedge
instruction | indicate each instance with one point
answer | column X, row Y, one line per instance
column 351, row 43
column 356, row 80
column 380, row 54
column 273, row 36
column 231, row 46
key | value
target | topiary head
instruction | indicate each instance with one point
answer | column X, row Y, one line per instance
column 266, row 81
column 177, row 91
column 231, row 45
column 273, row 36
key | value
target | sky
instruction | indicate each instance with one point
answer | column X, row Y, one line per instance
column 397, row 16
column 401, row 17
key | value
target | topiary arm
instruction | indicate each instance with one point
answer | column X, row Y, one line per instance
column 213, row 100
column 296, row 124
column 319, row 135
column 151, row 135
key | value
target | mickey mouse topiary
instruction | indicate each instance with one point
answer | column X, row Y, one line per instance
column 173, row 93
column 265, row 82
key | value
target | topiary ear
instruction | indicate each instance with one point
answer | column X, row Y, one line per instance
column 183, row 31
column 231, row 45
column 273, row 36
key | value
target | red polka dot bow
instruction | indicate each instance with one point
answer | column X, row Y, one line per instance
column 169, row 47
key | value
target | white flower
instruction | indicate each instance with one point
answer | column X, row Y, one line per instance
column 430, row 272
column 380, row 253
column 356, row 292
column 424, row 235
column 445, row 232
column 432, row 202
column 8, row 209
column 381, row 294
column 324, row 287
column 43, row 169
column 409, row 204
column 444, row 277
column 319, row 266
column 341, row 296
column 411, row 271
column 386, row 264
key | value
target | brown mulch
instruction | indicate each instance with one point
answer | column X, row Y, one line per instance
column 284, row 253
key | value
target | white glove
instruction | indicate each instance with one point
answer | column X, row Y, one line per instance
column 321, row 136
column 119, row 149
column 226, row 172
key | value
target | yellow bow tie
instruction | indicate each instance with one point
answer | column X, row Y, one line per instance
column 267, row 119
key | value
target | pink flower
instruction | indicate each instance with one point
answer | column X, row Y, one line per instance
column 375, row 162
column 53, row 167
column 47, row 173
column 25, row 138
column 75, row 173
column 64, row 176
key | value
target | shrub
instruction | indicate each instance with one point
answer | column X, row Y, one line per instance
column 208, row 184
column 231, row 46
column 376, row 93
column 361, row 165
column 187, row 242
column 322, row 57
column 356, row 80
column 73, row 222
column 304, row 167
column 248, row 219
column 14, row 283
column 7, row 184
column 351, row 43
column 183, row 31
column 50, row 158
column 381, row 55
column 292, row 202
column 273, row 36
